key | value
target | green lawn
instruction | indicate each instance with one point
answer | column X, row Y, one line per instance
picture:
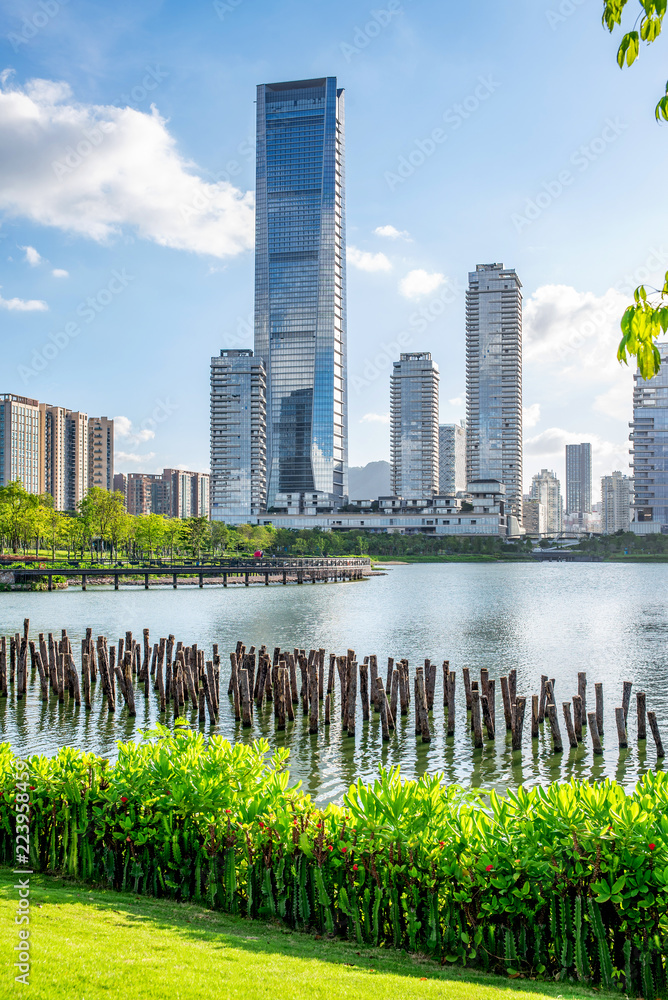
column 88, row 945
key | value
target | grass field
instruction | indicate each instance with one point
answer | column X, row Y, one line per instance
column 88, row 945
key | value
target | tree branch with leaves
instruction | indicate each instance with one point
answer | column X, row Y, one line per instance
column 645, row 320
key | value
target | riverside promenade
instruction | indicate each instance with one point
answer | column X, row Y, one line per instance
column 228, row 571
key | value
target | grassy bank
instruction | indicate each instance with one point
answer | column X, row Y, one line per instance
column 91, row 944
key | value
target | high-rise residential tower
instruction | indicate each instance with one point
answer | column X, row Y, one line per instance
column 494, row 379
column 616, row 500
column 649, row 434
column 546, row 489
column 238, row 434
column 414, row 426
column 578, row 478
column 451, row 458
column 66, row 450
column 300, row 288
column 21, row 442
column 101, row 453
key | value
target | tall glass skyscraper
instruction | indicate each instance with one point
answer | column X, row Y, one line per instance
column 494, row 379
column 578, row 478
column 300, row 289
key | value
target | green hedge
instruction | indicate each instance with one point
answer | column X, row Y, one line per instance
column 567, row 881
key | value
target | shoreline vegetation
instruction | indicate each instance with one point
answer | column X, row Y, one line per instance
column 567, row 882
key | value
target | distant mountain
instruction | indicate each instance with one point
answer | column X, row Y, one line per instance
column 367, row 482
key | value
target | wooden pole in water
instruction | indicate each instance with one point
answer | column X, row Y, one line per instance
column 404, row 688
column 582, row 691
column 651, row 718
column 330, row 679
column 287, row 695
column 594, row 733
column 518, row 723
column 422, row 712
column 201, row 710
column 388, row 679
column 373, row 673
column 452, row 679
column 572, row 738
column 577, row 717
column 507, row 710
column 467, row 688
column 534, row 716
column 641, row 710
column 234, row 685
column 364, row 690
column 626, row 699
column 621, row 728
column 313, row 697
column 543, row 698
column 294, row 694
column 512, row 686
column 85, row 670
column 321, row 674
column 383, row 709
column 244, row 692
column 475, row 715
column 328, row 702
column 279, row 698
column 599, row 708
column 487, row 716
column 394, row 697
column 551, row 713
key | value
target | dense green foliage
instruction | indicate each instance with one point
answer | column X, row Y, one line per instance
column 568, row 881
column 101, row 528
column 624, row 543
column 645, row 320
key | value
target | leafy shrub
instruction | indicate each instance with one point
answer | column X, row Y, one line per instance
column 567, row 881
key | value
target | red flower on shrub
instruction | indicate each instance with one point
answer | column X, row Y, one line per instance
column 330, row 848
column 355, row 868
column 123, row 798
column 441, row 843
column 344, row 849
column 652, row 846
column 261, row 826
column 489, row 868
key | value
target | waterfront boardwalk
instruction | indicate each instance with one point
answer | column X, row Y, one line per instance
column 246, row 571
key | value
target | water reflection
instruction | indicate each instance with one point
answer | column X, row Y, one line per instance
column 552, row 619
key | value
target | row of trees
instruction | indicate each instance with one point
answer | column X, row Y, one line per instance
column 101, row 529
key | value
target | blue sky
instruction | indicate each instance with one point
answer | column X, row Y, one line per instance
column 475, row 133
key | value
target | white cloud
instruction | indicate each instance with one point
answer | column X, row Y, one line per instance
column 97, row 169
column 616, row 402
column 58, row 272
column 457, row 401
column 418, row 283
column 123, row 429
column 131, row 458
column 23, row 305
column 531, row 415
column 32, row 256
column 576, row 330
column 366, row 261
column 375, row 418
column 390, row 233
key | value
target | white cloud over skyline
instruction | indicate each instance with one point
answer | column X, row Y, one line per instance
column 365, row 260
column 95, row 170
column 419, row 282
column 23, row 305
column 391, row 233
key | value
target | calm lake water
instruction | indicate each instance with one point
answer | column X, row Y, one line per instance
column 608, row 619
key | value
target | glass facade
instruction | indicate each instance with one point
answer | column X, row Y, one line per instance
column 238, row 436
column 494, row 379
column 451, row 458
column 578, row 478
column 414, row 426
column 650, row 446
column 300, row 287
